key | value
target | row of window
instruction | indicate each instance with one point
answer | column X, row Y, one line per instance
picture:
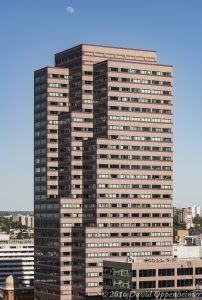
column 134, row 215
column 114, row 156
column 47, row 206
column 58, row 94
column 138, row 71
column 43, row 77
column 117, row 215
column 124, row 186
column 124, row 234
column 141, row 109
column 138, row 128
column 114, row 147
column 127, row 244
column 113, row 166
column 151, row 272
column 135, row 196
column 79, row 119
column 126, row 147
column 42, row 96
column 131, row 176
column 167, row 272
column 115, row 234
column 102, row 100
column 114, row 118
column 47, row 215
column 138, row 253
column 58, row 85
column 123, row 225
column 117, row 205
column 140, row 100
column 138, row 80
column 131, row 167
column 59, row 103
column 118, row 128
column 129, row 234
column 138, row 225
column 138, row 90
column 132, row 157
column 42, row 87
column 138, row 119
column 148, row 284
column 141, row 138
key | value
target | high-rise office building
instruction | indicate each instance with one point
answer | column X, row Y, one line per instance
column 103, row 166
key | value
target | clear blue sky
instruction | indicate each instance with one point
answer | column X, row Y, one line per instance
column 32, row 31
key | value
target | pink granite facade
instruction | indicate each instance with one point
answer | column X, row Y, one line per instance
column 103, row 166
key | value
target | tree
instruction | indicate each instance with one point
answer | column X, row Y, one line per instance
column 198, row 220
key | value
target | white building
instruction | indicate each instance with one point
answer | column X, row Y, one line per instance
column 26, row 220
column 187, row 252
column 196, row 210
column 4, row 237
column 16, row 258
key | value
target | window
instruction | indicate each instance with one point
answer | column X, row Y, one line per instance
column 166, row 283
column 185, row 282
column 92, row 284
column 166, row 272
column 147, row 284
column 88, row 73
column 114, row 69
column 124, row 70
column 198, row 271
column 185, row 271
column 166, row 74
column 147, row 273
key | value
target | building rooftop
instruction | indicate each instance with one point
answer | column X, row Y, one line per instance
column 104, row 46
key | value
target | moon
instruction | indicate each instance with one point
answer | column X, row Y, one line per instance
column 70, row 9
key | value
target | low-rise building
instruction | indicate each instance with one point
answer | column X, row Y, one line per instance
column 25, row 220
column 187, row 252
column 17, row 259
column 152, row 279
column 183, row 216
column 4, row 237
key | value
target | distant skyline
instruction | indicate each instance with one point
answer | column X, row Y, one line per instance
column 33, row 31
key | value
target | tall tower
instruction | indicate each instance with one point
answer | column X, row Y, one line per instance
column 103, row 166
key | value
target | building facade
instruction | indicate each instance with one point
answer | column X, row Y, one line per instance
column 103, row 166
column 152, row 279
column 25, row 220
column 17, row 259
column 187, row 251
column 183, row 215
